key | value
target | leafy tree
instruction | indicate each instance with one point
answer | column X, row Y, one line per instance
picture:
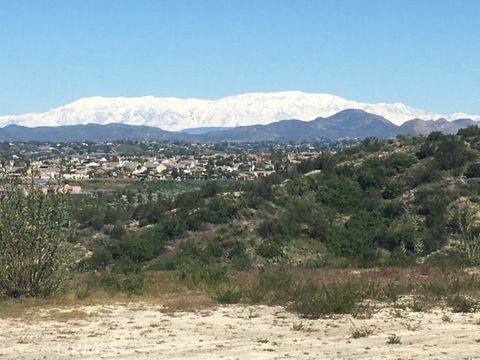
column 34, row 252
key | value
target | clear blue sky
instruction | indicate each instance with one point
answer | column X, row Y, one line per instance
column 424, row 53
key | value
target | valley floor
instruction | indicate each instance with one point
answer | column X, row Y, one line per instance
column 141, row 331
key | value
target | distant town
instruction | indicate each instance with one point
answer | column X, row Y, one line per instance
column 75, row 163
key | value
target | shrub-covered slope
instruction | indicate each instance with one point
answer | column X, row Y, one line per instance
column 378, row 203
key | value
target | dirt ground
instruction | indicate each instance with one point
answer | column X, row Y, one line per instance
column 141, row 331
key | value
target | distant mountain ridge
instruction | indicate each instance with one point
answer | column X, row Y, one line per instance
column 344, row 124
column 350, row 123
column 174, row 114
column 88, row 132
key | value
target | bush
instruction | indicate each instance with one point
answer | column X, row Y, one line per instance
column 449, row 151
column 393, row 339
column 356, row 238
column 400, row 161
column 270, row 249
column 195, row 273
column 219, row 210
column 270, row 227
column 165, row 262
column 118, row 232
column 369, row 178
column 424, row 173
column 393, row 188
column 34, row 253
column 149, row 213
column 273, row 284
column 473, row 171
column 131, row 284
column 100, row 259
column 313, row 301
column 229, row 295
column 275, row 278
column 452, row 153
column 463, row 304
column 341, row 193
column 83, row 291
column 140, row 247
column 393, row 209
column 241, row 262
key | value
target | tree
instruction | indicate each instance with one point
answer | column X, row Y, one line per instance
column 34, row 252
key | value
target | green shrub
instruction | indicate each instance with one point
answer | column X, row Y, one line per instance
column 423, row 173
column 356, row 238
column 241, row 262
column 274, row 284
column 218, row 210
column 452, row 153
column 140, row 247
column 275, row 278
column 100, row 258
column 35, row 255
column 195, row 273
column 270, row 248
column 314, row 301
column 83, row 291
column 393, row 209
column 341, row 193
column 229, row 295
column 401, row 160
column 166, row 262
column 133, row 285
column 125, row 265
column 270, row 228
column 393, row 188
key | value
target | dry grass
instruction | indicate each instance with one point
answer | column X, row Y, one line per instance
column 162, row 288
column 412, row 286
column 67, row 314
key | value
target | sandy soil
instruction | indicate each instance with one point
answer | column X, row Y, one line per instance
column 139, row 331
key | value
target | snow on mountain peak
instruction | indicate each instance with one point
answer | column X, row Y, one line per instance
column 170, row 113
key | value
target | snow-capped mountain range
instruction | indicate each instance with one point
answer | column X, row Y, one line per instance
column 175, row 114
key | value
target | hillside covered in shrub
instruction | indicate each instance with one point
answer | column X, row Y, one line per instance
column 398, row 202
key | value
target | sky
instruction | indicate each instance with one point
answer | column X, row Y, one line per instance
column 424, row 53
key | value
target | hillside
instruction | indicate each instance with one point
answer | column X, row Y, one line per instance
column 378, row 203
column 89, row 132
column 344, row 124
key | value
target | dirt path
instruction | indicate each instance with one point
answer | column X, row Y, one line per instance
column 235, row 332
